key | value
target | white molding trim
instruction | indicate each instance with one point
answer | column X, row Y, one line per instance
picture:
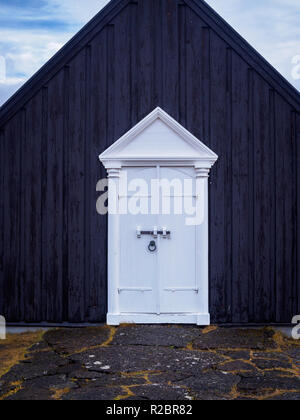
column 202, row 157
column 197, row 318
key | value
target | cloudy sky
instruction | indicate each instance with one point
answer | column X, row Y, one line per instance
column 31, row 31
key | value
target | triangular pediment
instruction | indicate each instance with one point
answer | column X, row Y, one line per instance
column 159, row 137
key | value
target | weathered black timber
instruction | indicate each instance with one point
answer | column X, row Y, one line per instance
column 132, row 57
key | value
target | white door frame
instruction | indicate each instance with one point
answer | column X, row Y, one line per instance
column 176, row 147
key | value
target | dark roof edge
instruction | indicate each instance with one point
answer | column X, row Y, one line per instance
column 252, row 56
column 50, row 68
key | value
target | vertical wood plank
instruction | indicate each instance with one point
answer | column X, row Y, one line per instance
column 285, row 246
column 251, row 208
column 2, row 159
column 65, row 193
column 44, row 240
column 240, row 204
column 54, row 199
column 122, row 90
column 133, row 62
column 273, row 237
column 206, row 83
column 229, row 187
column 263, row 200
column 295, row 209
column 182, row 64
column 32, row 214
column 145, row 52
column 111, row 70
column 76, row 179
column 96, row 294
column 297, row 132
column 23, row 138
column 219, row 242
column 87, row 187
column 194, row 106
column 170, row 41
column 158, row 57
column 198, row 77
column 12, row 221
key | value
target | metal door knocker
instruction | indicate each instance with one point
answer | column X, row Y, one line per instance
column 152, row 246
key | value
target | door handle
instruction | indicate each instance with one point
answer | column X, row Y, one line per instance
column 165, row 233
column 152, row 246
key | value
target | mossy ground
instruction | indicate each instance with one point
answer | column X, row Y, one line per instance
column 150, row 362
column 14, row 348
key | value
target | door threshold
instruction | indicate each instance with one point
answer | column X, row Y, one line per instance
column 193, row 318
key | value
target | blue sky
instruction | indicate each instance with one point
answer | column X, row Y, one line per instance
column 31, row 31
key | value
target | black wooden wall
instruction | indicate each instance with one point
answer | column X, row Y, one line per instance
column 133, row 57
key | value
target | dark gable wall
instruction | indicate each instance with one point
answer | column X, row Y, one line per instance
column 153, row 53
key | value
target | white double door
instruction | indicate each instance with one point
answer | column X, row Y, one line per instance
column 158, row 273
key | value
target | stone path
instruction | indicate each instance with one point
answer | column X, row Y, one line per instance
column 150, row 363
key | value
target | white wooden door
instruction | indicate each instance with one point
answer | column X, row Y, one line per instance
column 177, row 253
column 162, row 281
column 138, row 268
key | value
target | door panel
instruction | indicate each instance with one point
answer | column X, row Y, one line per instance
column 163, row 281
column 138, row 268
column 177, row 258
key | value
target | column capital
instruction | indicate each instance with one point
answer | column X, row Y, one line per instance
column 202, row 172
column 113, row 172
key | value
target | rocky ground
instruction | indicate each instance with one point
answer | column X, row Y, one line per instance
column 150, row 363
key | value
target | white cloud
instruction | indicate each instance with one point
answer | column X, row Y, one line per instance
column 75, row 9
column 270, row 26
column 31, row 36
column 28, row 57
column 7, row 89
column 12, row 81
column 24, row 53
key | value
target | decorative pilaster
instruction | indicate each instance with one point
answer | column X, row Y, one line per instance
column 202, row 175
column 113, row 176
column 113, row 241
